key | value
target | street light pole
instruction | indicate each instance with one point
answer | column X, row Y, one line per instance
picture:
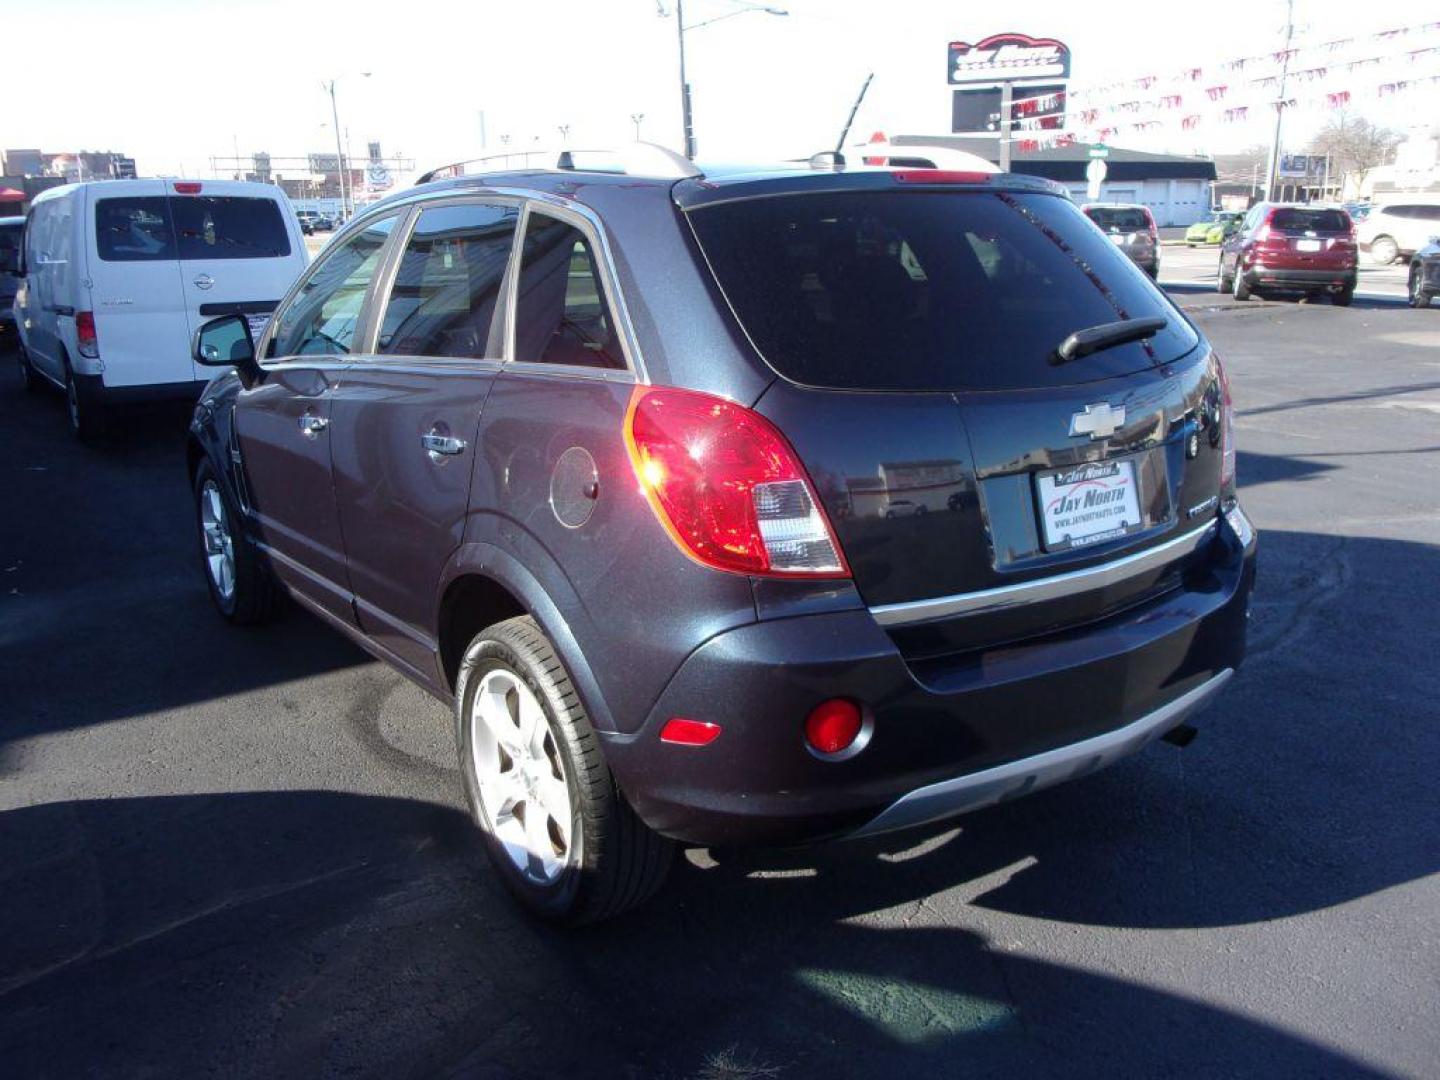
column 686, row 129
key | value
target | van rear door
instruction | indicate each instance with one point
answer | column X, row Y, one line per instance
column 239, row 251
column 135, row 289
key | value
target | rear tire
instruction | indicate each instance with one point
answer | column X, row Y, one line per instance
column 88, row 416
column 1238, row 289
column 1343, row 297
column 240, row 583
column 29, row 377
column 1416, row 293
column 1384, row 250
column 524, row 771
column 1223, row 284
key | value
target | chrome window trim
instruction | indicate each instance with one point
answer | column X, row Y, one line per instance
column 385, row 279
column 1046, row 588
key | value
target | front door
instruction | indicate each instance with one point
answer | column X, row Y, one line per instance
column 283, row 422
column 407, row 418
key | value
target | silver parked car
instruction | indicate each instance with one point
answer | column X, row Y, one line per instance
column 1132, row 230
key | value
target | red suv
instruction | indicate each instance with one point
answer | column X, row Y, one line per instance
column 1291, row 249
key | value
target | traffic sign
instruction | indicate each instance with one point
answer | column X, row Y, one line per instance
column 1095, row 173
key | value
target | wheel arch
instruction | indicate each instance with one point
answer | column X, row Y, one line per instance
column 483, row 584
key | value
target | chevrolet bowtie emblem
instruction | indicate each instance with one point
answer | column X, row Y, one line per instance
column 1098, row 421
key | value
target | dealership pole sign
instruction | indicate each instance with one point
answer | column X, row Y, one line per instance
column 1002, row 58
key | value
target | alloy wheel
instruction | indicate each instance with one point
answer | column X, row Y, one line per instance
column 521, row 777
column 219, row 544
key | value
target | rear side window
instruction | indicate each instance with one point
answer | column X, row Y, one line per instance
column 1121, row 219
column 561, row 313
column 1299, row 219
column 10, row 237
column 222, row 227
column 134, row 230
column 447, row 289
column 928, row 290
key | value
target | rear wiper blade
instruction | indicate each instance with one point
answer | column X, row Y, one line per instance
column 1105, row 336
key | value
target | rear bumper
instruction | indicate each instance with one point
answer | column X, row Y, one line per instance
column 93, row 387
column 990, row 725
column 1279, row 277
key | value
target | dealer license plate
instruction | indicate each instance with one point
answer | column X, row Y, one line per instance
column 1307, row 245
column 1088, row 503
column 257, row 324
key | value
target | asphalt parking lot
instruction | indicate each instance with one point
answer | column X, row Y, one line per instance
column 243, row 853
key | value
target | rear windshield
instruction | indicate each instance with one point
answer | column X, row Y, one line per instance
column 1290, row 218
column 1126, row 219
column 928, row 290
column 157, row 227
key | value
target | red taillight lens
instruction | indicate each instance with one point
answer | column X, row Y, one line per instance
column 87, row 339
column 1227, row 429
column 683, row 732
column 727, row 486
column 833, row 726
column 939, row 176
column 187, row 187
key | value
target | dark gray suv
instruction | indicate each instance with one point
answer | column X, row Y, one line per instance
column 758, row 508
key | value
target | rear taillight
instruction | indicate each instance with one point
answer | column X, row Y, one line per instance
column 727, row 487
column 1227, row 430
column 86, row 339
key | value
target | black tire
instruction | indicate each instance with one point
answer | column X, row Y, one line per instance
column 88, row 416
column 1343, row 297
column 614, row 861
column 255, row 596
column 29, row 377
column 1384, row 250
column 1238, row 288
column 1415, row 293
column 1223, row 284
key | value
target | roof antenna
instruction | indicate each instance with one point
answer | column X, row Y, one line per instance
column 839, row 158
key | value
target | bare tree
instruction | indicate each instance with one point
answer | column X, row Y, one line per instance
column 1355, row 145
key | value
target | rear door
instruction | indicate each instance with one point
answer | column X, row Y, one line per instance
column 238, row 252
column 916, row 333
column 136, row 290
column 406, row 420
column 283, row 421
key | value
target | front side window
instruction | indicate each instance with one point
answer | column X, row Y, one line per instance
column 222, row 227
column 322, row 319
column 134, row 229
column 447, row 288
column 561, row 313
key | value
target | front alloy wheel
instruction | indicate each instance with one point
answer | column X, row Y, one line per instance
column 219, row 544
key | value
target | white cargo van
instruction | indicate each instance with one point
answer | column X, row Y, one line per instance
column 116, row 275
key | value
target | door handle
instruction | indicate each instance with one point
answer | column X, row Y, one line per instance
column 311, row 426
column 436, row 444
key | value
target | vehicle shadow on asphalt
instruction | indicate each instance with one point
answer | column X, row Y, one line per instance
column 104, row 612
column 321, row 934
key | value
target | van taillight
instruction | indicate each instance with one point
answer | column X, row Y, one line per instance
column 87, row 340
column 1227, row 430
column 727, row 487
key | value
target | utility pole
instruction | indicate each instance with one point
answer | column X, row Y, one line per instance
column 686, row 127
column 339, row 152
column 1272, row 173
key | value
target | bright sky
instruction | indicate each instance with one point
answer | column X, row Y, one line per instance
column 174, row 82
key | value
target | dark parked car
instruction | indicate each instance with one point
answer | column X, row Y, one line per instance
column 1132, row 230
column 11, row 231
column 608, row 462
column 1424, row 281
column 1287, row 248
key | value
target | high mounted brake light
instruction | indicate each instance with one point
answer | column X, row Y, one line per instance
column 940, row 176
column 187, row 187
column 727, row 487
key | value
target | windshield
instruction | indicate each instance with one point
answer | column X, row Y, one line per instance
column 928, row 290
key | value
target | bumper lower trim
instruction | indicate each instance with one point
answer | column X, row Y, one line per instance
column 948, row 798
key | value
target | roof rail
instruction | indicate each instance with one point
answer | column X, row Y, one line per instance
column 633, row 159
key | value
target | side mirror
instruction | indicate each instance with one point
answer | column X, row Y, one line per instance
column 10, row 260
column 226, row 342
